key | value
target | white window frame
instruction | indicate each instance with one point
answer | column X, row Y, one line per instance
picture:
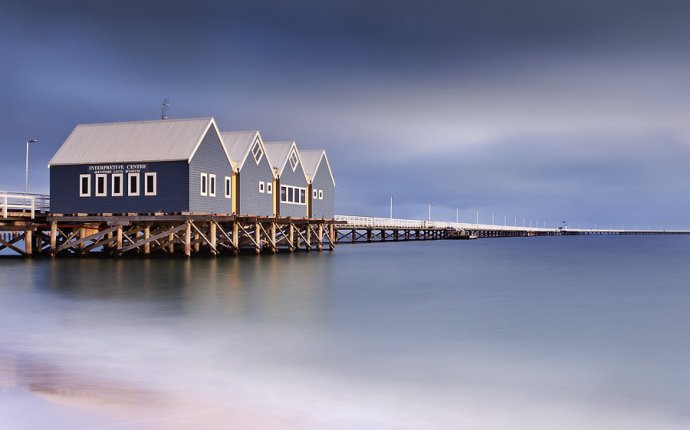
column 228, row 187
column 294, row 160
column 148, row 175
column 112, row 185
column 104, row 176
column 211, row 185
column 296, row 194
column 129, row 183
column 203, row 184
column 257, row 152
column 88, row 186
column 262, row 187
column 315, row 194
column 320, row 194
column 269, row 188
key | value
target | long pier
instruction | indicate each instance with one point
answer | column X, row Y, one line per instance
column 28, row 229
column 357, row 229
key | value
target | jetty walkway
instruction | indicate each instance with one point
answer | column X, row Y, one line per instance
column 29, row 229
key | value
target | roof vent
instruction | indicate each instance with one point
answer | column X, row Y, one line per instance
column 165, row 105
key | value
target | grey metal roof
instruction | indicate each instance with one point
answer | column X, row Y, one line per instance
column 162, row 140
column 238, row 144
column 278, row 153
column 311, row 162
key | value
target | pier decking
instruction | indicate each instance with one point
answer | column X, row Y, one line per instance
column 28, row 229
column 356, row 229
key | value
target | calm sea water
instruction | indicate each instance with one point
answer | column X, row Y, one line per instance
column 539, row 333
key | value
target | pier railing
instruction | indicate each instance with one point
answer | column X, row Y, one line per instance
column 372, row 222
column 12, row 204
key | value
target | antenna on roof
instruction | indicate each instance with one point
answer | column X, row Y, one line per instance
column 165, row 105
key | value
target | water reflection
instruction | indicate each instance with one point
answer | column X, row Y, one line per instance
column 272, row 285
column 537, row 334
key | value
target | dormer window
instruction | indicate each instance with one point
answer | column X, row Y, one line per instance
column 294, row 160
column 257, row 152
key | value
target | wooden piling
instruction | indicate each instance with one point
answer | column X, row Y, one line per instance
column 28, row 242
column 188, row 239
column 147, row 235
column 235, row 237
column 212, row 238
column 53, row 238
column 119, row 240
column 308, row 238
column 257, row 237
column 332, row 236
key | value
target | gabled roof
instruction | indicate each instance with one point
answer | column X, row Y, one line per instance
column 144, row 141
column 312, row 161
column 279, row 153
column 238, row 144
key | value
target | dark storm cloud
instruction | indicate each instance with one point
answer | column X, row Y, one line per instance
column 541, row 106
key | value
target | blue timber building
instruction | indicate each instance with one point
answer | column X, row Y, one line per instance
column 252, row 179
column 290, row 181
column 165, row 166
column 320, row 183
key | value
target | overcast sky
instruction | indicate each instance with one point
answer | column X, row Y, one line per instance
column 543, row 110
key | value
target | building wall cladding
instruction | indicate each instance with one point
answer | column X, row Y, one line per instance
column 322, row 181
column 252, row 202
column 295, row 179
column 171, row 190
column 209, row 158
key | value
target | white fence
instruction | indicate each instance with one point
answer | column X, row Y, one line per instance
column 23, row 202
column 369, row 222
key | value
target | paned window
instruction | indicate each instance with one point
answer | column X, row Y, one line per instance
column 133, row 187
column 269, row 188
column 150, row 184
column 101, row 179
column 203, row 185
column 228, row 187
column 320, row 194
column 84, row 185
column 296, row 195
column 212, row 185
column 116, row 184
column 314, row 194
column 262, row 187
column 257, row 152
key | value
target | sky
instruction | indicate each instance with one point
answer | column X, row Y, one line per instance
column 538, row 110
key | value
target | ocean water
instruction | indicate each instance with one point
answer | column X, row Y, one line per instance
column 524, row 333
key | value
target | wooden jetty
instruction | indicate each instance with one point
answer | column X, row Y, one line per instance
column 163, row 234
column 357, row 229
column 28, row 229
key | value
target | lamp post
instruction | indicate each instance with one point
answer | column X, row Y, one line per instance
column 391, row 207
column 429, row 211
column 26, row 170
